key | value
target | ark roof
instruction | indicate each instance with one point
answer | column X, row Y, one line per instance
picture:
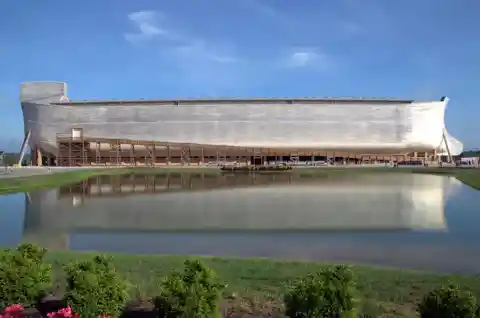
column 242, row 100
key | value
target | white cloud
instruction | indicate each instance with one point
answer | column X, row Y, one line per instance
column 308, row 57
column 146, row 23
column 261, row 7
column 199, row 62
column 200, row 50
column 187, row 47
column 264, row 9
column 301, row 59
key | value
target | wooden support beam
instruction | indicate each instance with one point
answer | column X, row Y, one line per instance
column 85, row 151
column 132, row 154
column 154, row 156
column 169, row 155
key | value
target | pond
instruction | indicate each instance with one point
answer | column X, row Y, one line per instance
column 406, row 220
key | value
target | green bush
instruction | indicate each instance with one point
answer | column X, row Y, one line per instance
column 94, row 288
column 195, row 292
column 328, row 293
column 32, row 252
column 24, row 277
column 448, row 301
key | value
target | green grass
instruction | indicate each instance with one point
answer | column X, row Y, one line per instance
column 57, row 179
column 469, row 176
column 23, row 184
column 382, row 292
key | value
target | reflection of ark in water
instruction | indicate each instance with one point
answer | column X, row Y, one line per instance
column 369, row 202
column 372, row 125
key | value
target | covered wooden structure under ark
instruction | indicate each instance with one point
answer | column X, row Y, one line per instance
column 75, row 150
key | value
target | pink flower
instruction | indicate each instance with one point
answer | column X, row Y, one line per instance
column 13, row 311
column 66, row 311
column 62, row 313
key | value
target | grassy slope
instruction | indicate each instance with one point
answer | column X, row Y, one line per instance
column 383, row 292
column 471, row 177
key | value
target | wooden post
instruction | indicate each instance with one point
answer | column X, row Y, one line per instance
column 168, row 155
column 38, row 157
column 154, row 157
column 132, row 154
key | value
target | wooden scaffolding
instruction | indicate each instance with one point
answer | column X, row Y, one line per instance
column 75, row 149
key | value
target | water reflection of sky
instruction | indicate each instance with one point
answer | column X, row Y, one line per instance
column 455, row 248
column 12, row 216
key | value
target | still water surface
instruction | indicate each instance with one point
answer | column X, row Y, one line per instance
column 415, row 221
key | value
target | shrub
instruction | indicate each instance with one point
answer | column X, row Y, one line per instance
column 23, row 275
column 328, row 293
column 94, row 288
column 32, row 252
column 195, row 292
column 448, row 301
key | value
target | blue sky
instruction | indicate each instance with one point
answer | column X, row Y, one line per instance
column 190, row 48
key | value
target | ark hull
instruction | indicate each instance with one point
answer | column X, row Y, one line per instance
column 343, row 125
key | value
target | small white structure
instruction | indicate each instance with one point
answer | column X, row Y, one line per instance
column 77, row 133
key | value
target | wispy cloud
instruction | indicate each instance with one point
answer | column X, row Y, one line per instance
column 151, row 25
column 300, row 23
column 308, row 57
column 198, row 61
column 146, row 23
column 365, row 15
column 214, row 66
column 200, row 50
column 301, row 58
column 263, row 8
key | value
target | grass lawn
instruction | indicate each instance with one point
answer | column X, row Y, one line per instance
column 469, row 176
column 56, row 179
column 23, row 184
column 256, row 286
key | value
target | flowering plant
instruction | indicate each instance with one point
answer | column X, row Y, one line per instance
column 63, row 313
column 13, row 311
column 16, row 311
